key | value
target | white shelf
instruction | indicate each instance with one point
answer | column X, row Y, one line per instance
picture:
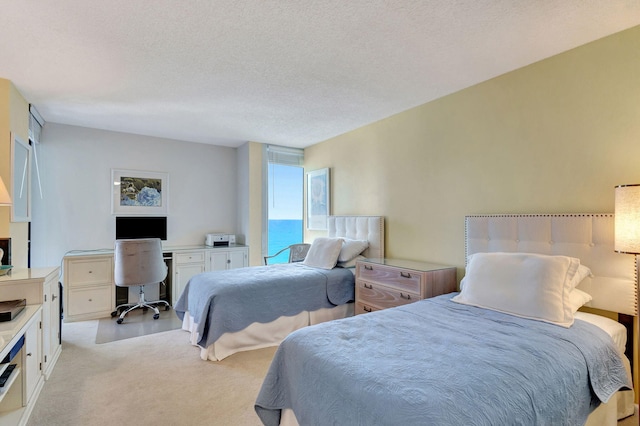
column 7, row 386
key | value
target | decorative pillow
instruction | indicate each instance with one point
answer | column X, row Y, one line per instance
column 578, row 298
column 352, row 248
column 323, row 253
column 527, row 285
column 582, row 273
column 351, row 263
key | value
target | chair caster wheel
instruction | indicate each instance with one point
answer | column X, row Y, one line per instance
column 114, row 314
column 156, row 316
column 119, row 320
column 166, row 308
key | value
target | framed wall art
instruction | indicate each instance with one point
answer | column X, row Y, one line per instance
column 318, row 207
column 135, row 192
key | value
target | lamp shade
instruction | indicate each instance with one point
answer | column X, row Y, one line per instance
column 5, row 200
column 627, row 219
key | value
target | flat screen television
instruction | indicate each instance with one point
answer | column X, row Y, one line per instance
column 133, row 227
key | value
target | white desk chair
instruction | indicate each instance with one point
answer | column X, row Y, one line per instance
column 139, row 262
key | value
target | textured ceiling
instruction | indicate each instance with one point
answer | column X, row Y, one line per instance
column 287, row 72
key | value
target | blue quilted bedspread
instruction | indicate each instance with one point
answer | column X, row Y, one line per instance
column 230, row 300
column 436, row 362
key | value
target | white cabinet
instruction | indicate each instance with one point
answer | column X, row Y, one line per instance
column 51, row 346
column 21, row 390
column 39, row 286
column 89, row 291
column 32, row 356
column 228, row 258
column 185, row 265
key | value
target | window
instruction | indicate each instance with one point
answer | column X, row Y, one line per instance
column 285, row 188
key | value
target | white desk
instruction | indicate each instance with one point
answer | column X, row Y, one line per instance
column 89, row 289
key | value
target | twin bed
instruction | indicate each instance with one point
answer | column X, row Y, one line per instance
column 510, row 348
column 250, row 308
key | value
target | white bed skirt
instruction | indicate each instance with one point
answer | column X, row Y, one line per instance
column 257, row 335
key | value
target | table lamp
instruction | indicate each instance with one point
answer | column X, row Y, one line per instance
column 627, row 240
column 627, row 219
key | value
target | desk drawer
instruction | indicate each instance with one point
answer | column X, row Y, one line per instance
column 90, row 272
column 381, row 296
column 90, row 300
column 403, row 279
column 191, row 257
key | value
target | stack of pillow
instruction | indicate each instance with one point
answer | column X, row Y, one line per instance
column 326, row 253
column 528, row 285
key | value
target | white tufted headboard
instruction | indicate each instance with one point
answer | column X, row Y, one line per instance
column 370, row 228
column 588, row 237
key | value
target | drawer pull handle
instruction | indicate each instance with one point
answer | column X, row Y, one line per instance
column 405, row 296
column 405, row 275
column 369, row 286
column 368, row 268
column 366, row 308
column 90, row 300
column 91, row 272
column 53, row 297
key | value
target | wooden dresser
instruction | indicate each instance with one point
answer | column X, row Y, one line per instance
column 385, row 283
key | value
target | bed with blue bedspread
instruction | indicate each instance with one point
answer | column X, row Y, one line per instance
column 509, row 349
column 255, row 307
column 436, row 362
column 229, row 301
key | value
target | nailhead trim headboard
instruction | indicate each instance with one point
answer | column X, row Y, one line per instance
column 589, row 237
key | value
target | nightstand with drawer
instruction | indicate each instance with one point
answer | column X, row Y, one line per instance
column 385, row 283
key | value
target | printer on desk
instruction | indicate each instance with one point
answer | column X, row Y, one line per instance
column 218, row 240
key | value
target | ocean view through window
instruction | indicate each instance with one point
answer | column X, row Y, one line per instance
column 285, row 212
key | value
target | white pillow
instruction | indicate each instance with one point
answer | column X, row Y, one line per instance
column 578, row 298
column 352, row 248
column 323, row 253
column 582, row 273
column 527, row 285
column 351, row 263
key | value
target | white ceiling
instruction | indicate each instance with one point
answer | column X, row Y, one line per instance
column 288, row 72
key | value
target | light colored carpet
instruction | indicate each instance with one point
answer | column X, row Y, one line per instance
column 158, row 379
column 136, row 323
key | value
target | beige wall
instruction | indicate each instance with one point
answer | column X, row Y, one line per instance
column 14, row 118
column 552, row 137
column 5, row 150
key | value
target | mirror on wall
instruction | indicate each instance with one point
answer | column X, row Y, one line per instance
column 21, row 180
